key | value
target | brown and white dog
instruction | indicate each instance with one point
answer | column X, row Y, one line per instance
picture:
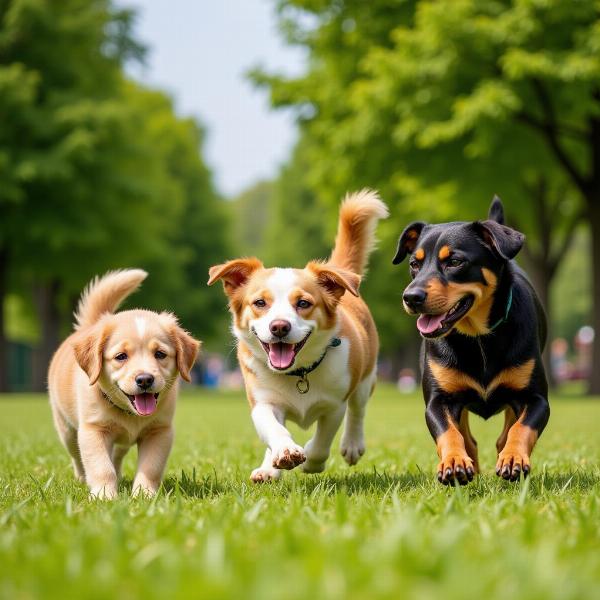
column 113, row 383
column 307, row 344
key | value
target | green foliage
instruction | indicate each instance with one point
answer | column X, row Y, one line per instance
column 250, row 213
column 439, row 105
column 300, row 227
column 573, row 299
column 283, row 222
column 98, row 172
column 383, row 529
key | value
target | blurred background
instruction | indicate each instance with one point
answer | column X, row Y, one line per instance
column 175, row 135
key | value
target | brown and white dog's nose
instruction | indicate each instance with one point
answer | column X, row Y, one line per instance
column 144, row 380
column 280, row 328
column 414, row 298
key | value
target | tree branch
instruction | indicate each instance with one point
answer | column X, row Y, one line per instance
column 550, row 129
column 559, row 253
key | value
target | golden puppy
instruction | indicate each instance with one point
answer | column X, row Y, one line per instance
column 307, row 344
column 113, row 383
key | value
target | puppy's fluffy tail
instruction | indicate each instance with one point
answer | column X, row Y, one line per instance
column 355, row 238
column 104, row 294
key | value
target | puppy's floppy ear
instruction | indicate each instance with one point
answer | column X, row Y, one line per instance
column 186, row 351
column 335, row 280
column 88, row 347
column 234, row 273
column 408, row 241
column 502, row 240
column 496, row 212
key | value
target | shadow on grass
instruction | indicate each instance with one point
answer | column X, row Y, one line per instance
column 206, row 486
column 371, row 483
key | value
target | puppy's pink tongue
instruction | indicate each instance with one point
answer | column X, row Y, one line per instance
column 429, row 323
column 281, row 355
column 145, row 403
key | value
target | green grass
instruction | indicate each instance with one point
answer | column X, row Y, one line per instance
column 385, row 529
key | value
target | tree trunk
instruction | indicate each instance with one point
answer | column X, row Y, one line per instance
column 45, row 297
column 542, row 281
column 3, row 340
column 594, row 214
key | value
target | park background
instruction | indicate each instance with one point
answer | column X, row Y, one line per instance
column 174, row 135
column 438, row 105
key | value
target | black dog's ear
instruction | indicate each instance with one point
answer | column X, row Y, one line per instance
column 502, row 240
column 496, row 212
column 408, row 241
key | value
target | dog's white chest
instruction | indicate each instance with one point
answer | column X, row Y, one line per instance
column 328, row 386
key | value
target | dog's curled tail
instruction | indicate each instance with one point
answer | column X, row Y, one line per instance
column 355, row 238
column 104, row 294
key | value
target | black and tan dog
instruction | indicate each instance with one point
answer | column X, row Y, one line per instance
column 484, row 331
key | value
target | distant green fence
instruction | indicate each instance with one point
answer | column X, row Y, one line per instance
column 19, row 367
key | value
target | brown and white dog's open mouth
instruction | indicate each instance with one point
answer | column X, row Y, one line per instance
column 432, row 326
column 144, row 404
column 281, row 354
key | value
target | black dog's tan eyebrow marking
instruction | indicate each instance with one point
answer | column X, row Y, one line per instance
column 420, row 254
column 452, row 380
column 444, row 252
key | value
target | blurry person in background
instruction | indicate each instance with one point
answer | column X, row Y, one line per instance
column 407, row 382
column 213, row 371
column 583, row 347
column 558, row 359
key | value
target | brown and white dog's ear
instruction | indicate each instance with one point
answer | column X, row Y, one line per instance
column 186, row 351
column 408, row 241
column 88, row 347
column 234, row 273
column 335, row 280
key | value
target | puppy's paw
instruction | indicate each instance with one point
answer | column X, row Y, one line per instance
column 313, row 466
column 104, row 492
column 456, row 468
column 511, row 463
column 145, row 492
column 352, row 449
column 287, row 456
column 262, row 475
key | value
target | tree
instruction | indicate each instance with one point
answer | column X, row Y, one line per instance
column 100, row 173
column 59, row 65
column 454, row 99
column 297, row 229
column 197, row 234
column 250, row 214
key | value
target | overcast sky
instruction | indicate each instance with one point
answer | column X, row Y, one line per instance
column 199, row 53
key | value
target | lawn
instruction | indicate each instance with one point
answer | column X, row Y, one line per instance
column 385, row 529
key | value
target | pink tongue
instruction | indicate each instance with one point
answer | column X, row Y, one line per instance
column 429, row 323
column 145, row 403
column 281, row 355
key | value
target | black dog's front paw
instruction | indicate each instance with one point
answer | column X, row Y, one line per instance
column 456, row 468
column 511, row 463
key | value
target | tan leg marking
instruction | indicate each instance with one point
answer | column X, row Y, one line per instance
column 513, row 459
column 455, row 464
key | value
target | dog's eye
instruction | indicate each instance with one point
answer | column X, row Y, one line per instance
column 121, row 356
column 159, row 354
column 414, row 265
column 455, row 262
column 303, row 304
column 260, row 303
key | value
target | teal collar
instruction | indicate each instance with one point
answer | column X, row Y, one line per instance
column 505, row 317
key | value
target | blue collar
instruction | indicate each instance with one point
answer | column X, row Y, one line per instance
column 505, row 317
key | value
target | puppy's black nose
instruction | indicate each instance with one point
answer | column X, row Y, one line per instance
column 280, row 328
column 414, row 298
column 144, row 380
